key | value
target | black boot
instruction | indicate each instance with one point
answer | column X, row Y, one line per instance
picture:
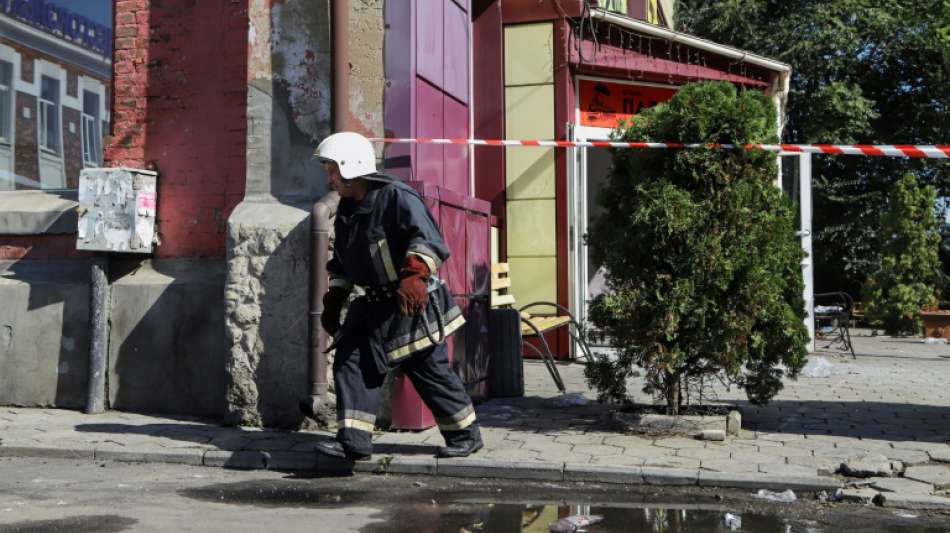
column 335, row 449
column 461, row 449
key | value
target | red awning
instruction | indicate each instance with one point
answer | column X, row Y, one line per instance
column 613, row 61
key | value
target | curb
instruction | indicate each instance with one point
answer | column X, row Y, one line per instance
column 424, row 465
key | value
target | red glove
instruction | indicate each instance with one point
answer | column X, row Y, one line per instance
column 333, row 302
column 413, row 292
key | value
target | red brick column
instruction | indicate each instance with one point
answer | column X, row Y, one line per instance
column 126, row 144
column 179, row 99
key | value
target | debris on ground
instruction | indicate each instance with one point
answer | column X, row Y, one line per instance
column 935, row 340
column 863, row 495
column 817, row 367
column 574, row 523
column 787, row 496
column 732, row 521
column 712, row 434
column 867, row 465
column 571, row 398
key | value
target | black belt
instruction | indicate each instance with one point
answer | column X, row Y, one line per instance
column 380, row 293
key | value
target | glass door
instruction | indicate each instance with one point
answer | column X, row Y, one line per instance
column 590, row 171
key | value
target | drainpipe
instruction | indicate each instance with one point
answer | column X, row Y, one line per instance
column 98, row 335
column 323, row 212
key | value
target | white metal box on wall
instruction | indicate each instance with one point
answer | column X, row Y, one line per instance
column 117, row 208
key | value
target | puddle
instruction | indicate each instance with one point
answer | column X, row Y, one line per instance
column 277, row 493
column 484, row 508
column 513, row 518
column 72, row 524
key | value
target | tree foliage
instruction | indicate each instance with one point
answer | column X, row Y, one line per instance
column 703, row 265
column 863, row 71
column 909, row 273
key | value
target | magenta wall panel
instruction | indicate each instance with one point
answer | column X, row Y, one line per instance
column 456, row 157
column 477, row 267
column 429, row 123
column 456, row 45
column 408, row 409
column 429, row 26
column 488, row 105
column 427, row 95
column 452, row 222
column 399, row 92
column 477, row 252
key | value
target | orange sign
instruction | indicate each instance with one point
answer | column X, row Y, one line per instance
column 604, row 104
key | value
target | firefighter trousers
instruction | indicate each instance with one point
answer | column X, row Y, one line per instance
column 359, row 393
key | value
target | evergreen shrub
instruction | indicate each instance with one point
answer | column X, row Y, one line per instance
column 702, row 260
column 910, row 270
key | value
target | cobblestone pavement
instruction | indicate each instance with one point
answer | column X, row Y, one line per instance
column 893, row 400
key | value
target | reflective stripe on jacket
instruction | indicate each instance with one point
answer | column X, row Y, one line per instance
column 373, row 239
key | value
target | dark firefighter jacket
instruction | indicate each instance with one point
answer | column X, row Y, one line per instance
column 373, row 238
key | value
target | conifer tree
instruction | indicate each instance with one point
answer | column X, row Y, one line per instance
column 910, row 272
column 702, row 260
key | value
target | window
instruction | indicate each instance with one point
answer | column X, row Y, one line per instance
column 91, row 136
column 49, row 115
column 6, row 100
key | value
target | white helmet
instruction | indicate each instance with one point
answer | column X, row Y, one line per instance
column 352, row 152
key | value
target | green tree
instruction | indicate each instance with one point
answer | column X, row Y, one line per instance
column 863, row 71
column 909, row 273
column 703, row 265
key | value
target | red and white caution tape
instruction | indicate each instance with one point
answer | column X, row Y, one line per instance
column 941, row 151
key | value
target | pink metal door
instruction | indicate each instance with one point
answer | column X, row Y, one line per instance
column 431, row 99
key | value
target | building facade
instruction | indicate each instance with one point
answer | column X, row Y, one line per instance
column 560, row 70
column 55, row 68
column 226, row 100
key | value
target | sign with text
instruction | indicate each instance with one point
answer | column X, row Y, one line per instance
column 62, row 23
column 603, row 104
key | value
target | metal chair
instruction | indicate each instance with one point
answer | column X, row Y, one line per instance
column 833, row 318
column 536, row 325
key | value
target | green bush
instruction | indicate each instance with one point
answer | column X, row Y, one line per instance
column 910, row 270
column 703, row 265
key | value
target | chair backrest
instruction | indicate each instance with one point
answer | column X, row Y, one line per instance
column 501, row 286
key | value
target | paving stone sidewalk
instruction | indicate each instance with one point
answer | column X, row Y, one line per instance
column 891, row 404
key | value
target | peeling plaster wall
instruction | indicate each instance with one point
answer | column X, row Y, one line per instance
column 268, row 248
column 289, row 81
column 367, row 75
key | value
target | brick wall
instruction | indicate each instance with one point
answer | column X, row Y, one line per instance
column 72, row 145
column 72, row 83
column 26, row 67
column 27, row 157
column 16, row 247
column 180, row 95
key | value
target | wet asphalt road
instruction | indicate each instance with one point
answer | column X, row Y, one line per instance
column 81, row 496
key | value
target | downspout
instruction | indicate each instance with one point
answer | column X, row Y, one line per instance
column 323, row 211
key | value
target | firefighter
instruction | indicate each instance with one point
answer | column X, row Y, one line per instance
column 387, row 251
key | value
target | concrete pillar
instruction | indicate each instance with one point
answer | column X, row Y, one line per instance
column 268, row 258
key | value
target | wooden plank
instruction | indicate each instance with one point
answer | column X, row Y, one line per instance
column 502, row 299
column 498, row 268
column 500, row 283
column 544, row 324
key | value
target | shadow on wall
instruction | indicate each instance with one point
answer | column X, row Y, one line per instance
column 268, row 246
column 166, row 347
column 44, row 324
column 166, row 344
column 268, row 317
